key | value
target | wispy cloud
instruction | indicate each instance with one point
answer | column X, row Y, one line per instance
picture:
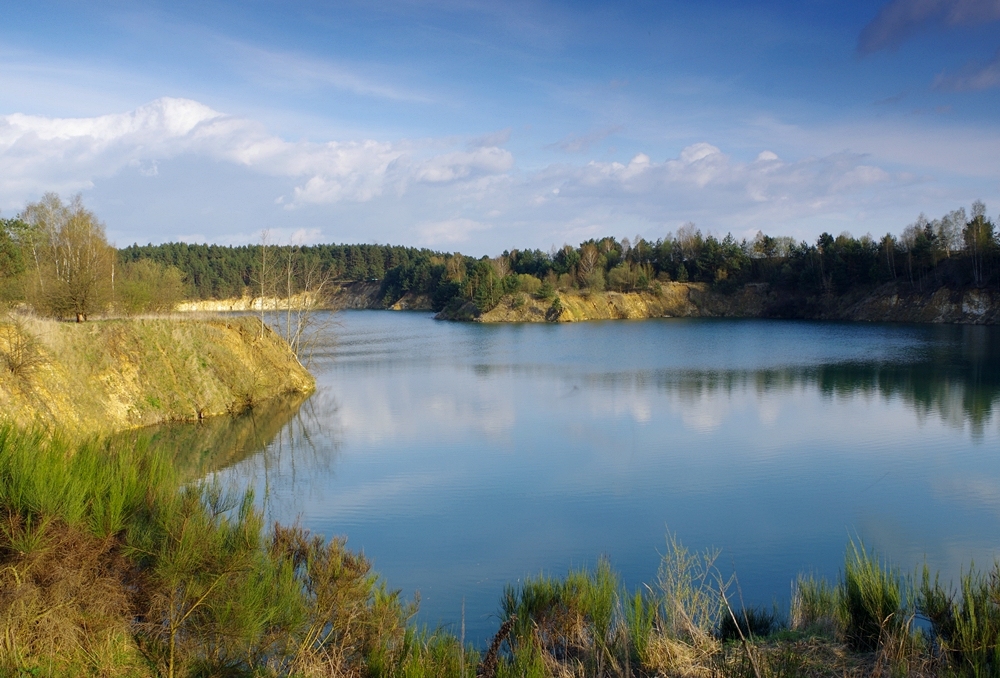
column 898, row 20
column 579, row 143
column 449, row 231
column 974, row 77
column 280, row 70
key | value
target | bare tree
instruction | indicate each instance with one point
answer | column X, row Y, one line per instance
column 263, row 275
column 305, row 286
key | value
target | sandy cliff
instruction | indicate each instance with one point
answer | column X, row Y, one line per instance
column 110, row 375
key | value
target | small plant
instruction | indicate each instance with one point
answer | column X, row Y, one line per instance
column 546, row 290
column 815, row 606
column 19, row 351
column 966, row 626
column 871, row 594
column 555, row 310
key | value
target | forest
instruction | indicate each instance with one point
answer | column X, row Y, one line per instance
column 55, row 257
column 958, row 250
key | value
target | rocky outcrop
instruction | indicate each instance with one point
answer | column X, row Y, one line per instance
column 103, row 376
column 889, row 303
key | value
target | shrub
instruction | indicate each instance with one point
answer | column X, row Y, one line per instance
column 528, row 284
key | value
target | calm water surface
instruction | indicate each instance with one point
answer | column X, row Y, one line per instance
column 461, row 457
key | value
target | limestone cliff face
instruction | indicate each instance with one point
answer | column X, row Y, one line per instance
column 890, row 303
column 103, row 376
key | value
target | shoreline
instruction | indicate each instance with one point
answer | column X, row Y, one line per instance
column 892, row 302
column 105, row 376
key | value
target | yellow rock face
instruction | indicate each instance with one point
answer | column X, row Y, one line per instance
column 103, row 376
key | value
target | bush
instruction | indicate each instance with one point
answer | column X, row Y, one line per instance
column 146, row 286
column 528, row 284
column 555, row 310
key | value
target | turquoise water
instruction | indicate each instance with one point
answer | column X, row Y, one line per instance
column 460, row 457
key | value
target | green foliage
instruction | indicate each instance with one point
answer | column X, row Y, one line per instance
column 12, row 263
column 147, row 286
column 555, row 310
column 871, row 595
column 183, row 576
column 73, row 262
column 966, row 624
column 816, row 605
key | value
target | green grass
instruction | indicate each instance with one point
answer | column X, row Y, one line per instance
column 871, row 597
column 111, row 565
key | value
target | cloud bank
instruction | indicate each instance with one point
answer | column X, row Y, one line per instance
column 432, row 192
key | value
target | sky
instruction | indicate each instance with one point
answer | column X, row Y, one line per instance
column 483, row 126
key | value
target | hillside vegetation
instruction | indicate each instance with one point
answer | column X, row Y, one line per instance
column 109, row 375
column 956, row 257
column 55, row 259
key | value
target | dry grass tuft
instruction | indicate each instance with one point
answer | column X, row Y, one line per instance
column 64, row 599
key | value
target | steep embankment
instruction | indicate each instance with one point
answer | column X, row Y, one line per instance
column 97, row 377
column 889, row 303
column 356, row 295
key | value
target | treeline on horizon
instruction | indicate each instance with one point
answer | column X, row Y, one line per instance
column 958, row 250
column 55, row 257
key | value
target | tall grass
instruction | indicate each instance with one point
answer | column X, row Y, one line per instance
column 816, row 606
column 965, row 623
column 111, row 566
column 871, row 596
column 108, row 566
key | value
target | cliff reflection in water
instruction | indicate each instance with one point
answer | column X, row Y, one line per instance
column 215, row 443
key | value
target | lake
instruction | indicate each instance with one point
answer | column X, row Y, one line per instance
column 462, row 457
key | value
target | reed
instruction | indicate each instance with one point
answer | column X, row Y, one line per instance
column 871, row 596
column 816, row 607
column 966, row 622
column 110, row 565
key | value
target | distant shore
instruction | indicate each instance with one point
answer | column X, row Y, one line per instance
column 894, row 302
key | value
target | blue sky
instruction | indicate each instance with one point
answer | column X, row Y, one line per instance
column 478, row 127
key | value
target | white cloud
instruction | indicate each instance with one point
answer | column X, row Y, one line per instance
column 68, row 154
column 578, row 143
column 460, row 165
column 435, row 192
column 283, row 70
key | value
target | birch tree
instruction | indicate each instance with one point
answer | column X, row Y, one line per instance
column 72, row 258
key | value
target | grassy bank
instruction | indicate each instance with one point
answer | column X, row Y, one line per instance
column 111, row 566
column 97, row 377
